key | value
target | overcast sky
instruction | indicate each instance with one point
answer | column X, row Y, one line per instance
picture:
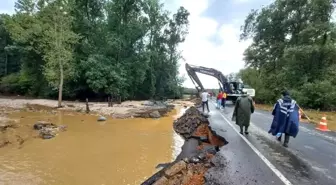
column 213, row 39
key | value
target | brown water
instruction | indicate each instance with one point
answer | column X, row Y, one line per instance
column 119, row 152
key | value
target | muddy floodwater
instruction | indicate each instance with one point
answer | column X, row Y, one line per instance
column 119, row 152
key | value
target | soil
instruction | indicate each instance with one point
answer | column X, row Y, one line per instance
column 196, row 156
column 127, row 109
column 187, row 124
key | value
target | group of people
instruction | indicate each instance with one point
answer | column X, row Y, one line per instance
column 221, row 100
column 285, row 116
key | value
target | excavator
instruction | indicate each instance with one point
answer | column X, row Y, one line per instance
column 233, row 89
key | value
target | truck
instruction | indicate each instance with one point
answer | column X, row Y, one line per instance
column 233, row 89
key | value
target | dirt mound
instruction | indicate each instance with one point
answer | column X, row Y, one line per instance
column 197, row 102
column 189, row 121
column 201, row 144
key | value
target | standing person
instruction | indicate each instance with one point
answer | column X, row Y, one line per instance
column 224, row 99
column 204, row 96
column 242, row 112
column 286, row 118
column 219, row 99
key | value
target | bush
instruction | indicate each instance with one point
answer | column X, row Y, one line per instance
column 10, row 84
column 318, row 95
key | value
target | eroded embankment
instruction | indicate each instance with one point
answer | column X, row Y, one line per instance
column 201, row 144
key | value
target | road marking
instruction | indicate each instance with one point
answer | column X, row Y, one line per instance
column 304, row 129
column 262, row 157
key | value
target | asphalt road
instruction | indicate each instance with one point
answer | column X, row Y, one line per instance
column 258, row 159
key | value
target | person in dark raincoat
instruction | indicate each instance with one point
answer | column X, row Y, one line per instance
column 242, row 112
column 286, row 118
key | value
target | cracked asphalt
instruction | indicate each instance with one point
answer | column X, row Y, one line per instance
column 258, row 159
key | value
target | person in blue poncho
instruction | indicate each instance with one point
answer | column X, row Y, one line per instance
column 286, row 118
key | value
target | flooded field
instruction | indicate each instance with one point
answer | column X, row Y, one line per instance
column 119, row 152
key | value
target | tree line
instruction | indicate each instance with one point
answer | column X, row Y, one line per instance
column 92, row 48
column 293, row 48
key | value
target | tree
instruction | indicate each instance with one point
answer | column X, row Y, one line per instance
column 127, row 49
column 25, row 6
column 58, row 41
column 293, row 45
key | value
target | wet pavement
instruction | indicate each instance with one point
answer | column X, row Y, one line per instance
column 259, row 159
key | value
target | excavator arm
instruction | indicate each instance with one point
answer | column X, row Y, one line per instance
column 192, row 70
column 194, row 78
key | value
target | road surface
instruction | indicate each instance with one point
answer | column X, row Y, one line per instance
column 258, row 159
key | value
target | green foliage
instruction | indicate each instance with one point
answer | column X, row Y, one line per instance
column 10, row 83
column 293, row 48
column 318, row 95
column 121, row 48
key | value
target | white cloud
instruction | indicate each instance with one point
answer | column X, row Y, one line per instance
column 7, row 6
column 198, row 49
column 241, row 1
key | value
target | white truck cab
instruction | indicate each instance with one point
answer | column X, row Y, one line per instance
column 237, row 87
column 250, row 91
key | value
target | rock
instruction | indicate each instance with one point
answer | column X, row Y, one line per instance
column 155, row 114
column 201, row 156
column 41, row 124
column 122, row 116
column 210, row 149
column 47, row 136
column 187, row 177
column 148, row 103
column 48, row 133
column 162, row 181
column 48, row 130
column 101, row 118
column 195, row 160
column 176, row 168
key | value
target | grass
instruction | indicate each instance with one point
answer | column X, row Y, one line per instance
column 314, row 115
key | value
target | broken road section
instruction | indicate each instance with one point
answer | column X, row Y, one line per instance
column 201, row 144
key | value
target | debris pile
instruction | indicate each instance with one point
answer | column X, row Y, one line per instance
column 201, row 144
column 153, row 109
column 198, row 102
column 187, row 124
column 48, row 130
